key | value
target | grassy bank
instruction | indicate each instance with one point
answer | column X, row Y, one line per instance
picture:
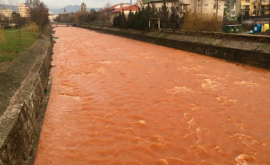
column 15, row 43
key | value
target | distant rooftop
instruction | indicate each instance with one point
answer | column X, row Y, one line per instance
column 146, row 1
column 127, row 8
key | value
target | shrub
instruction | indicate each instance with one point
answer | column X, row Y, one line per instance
column 32, row 26
column 267, row 31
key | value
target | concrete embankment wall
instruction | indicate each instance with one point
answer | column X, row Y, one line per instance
column 250, row 50
column 24, row 86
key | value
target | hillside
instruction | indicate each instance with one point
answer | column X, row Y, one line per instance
column 12, row 7
column 69, row 9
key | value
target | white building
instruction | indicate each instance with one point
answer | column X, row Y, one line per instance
column 52, row 17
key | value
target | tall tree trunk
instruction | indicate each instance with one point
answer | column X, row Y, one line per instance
column 217, row 8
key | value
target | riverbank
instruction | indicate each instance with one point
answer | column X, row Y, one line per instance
column 23, row 86
column 247, row 49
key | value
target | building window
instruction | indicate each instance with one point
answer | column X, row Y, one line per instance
column 246, row 7
column 247, row 1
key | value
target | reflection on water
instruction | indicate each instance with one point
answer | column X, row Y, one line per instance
column 119, row 101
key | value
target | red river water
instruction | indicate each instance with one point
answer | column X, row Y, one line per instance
column 117, row 101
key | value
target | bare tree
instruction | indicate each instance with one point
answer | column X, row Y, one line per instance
column 107, row 12
column 217, row 5
column 257, row 7
column 39, row 13
column 196, row 5
column 107, row 5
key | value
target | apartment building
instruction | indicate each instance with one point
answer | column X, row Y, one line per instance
column 255, row 7
column 232, row 9
column 24, row 10
column 6, row 13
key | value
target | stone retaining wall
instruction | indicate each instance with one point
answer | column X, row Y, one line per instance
column 250, row 50
column 18, row 122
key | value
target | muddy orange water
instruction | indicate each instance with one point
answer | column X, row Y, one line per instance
column 120, row 101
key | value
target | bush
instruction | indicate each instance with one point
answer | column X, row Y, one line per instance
column 32, row 26
column 267, row 31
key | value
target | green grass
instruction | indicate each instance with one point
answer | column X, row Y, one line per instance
column 11, row 49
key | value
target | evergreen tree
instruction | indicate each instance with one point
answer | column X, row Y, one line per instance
column 138, row 19
column 135, row 20
column 131, row 20
column 153, row 13
column 164, row 14
column 174, row 18
column 144, row 19
column 148, row 9
column 123, row 20
column 116, row 20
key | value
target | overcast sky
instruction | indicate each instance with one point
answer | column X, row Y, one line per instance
column 56, row 4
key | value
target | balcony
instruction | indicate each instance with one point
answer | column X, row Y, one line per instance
column 245, row 9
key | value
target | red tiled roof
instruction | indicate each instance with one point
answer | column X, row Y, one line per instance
column 107, row 9
column 127, row 8
column 21, row 5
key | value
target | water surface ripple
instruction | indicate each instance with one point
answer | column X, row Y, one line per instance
column 117, row 101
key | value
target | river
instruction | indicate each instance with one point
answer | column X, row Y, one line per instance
column 117, row 101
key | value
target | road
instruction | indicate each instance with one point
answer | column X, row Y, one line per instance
column 119, row 101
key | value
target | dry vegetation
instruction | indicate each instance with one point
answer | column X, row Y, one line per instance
column 201, row 22
column 32, row 26
column 2, row 36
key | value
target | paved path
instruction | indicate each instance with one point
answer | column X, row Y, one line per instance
column 120, row 101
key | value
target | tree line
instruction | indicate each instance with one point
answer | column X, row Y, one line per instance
column 137, row 20
column 140, row 19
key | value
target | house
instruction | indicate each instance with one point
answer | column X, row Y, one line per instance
column 126, row 10
column 106, row 14
column 181, row 6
